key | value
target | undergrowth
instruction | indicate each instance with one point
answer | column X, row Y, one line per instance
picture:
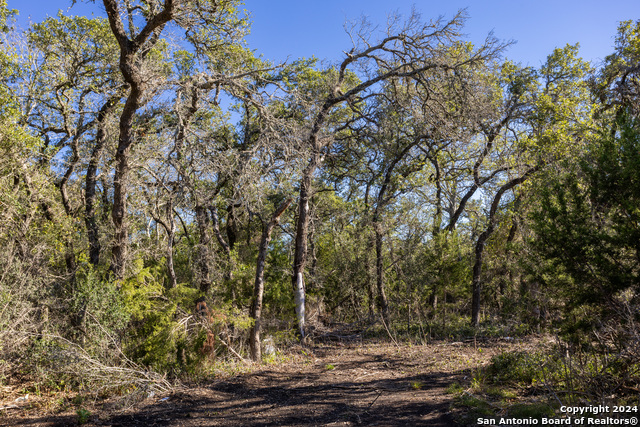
column 535, row 384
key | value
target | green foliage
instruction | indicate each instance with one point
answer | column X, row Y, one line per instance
column 455, row 388
column 5, row 16
column 615, row 86
column 500, row 392
column 562, row 106
column 523, row 368
column 140, row 291
column 97, row 306
column 340, row 247
column 278, row 298
column 76, row 47
column 587, row 226
column 164, row 334
column 531, row 410
column 158, row 329
column 476, row 406
column 83, row 415
column 447, row 264
column 243, row 273
column 184, row 62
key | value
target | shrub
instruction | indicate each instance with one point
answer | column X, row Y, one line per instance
column 523, row 367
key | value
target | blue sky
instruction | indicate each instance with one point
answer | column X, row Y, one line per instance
column 294, row 28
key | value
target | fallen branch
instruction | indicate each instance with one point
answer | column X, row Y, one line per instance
column 232, row 351
column 374, row 401
column 74, row 360
column 389, row 332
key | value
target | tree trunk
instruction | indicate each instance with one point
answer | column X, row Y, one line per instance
column 92, row 179
column 433, row 300
column 476, row 284
column 232, row 226
column 300, row 253
column 228, row 275
column 119, row 209
column 129, row 65
column 371, row 290
column 171, row 235
column 258, row 289
column 202, row 219
column 381, row 202
column 369, row 240
column 383, row 303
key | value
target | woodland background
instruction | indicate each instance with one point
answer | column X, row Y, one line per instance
column 167, row 195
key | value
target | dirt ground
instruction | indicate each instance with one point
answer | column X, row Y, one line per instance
column 375, row 384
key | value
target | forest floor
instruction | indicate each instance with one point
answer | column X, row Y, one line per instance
column 334, row 384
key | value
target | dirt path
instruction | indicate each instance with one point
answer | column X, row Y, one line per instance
column 374, row 384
